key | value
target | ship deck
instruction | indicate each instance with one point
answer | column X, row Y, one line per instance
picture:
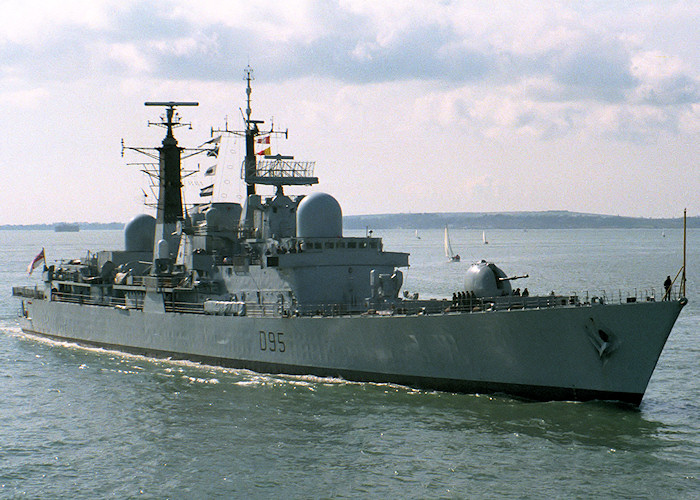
column 400, row 307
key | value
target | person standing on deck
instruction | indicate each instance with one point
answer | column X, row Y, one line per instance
column 667, row 287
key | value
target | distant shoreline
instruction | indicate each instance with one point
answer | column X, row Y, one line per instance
column 470, row 220
column 512, row 220
column 84, row 226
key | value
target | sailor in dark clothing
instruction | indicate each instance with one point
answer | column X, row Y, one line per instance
column 667, row 287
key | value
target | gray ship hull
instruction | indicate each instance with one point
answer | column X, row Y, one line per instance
column 583, row 352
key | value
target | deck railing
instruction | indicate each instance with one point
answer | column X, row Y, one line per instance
column 184, row 307
column 107, row 301
column 402, row 307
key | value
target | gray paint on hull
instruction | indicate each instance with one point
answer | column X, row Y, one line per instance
column 539, row 354
column 528, row 392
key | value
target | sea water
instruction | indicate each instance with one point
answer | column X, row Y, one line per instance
column 90, row 423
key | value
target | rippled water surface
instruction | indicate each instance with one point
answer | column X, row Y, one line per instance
column 89, row 423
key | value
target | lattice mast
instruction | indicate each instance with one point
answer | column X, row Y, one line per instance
column 169, row 208
column 277, row 170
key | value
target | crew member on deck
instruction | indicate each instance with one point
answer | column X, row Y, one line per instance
column 667, row 287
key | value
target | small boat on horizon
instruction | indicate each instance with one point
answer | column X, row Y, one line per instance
column 67, row 227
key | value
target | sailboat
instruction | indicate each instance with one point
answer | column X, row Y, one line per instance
column 417, row 236
column 483, row 237
column 451, row 256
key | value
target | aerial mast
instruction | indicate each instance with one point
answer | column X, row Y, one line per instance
column 251, row 130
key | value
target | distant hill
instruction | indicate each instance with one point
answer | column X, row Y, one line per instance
column 510, row 220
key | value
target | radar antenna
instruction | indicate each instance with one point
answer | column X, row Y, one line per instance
column 168, row 174
column 169, row 208
column 171, row 118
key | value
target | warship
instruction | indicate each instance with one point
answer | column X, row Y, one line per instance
column 272, row 285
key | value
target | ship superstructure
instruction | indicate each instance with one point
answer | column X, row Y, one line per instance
column 272, row 284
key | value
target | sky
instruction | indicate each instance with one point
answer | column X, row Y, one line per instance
column 411, row 106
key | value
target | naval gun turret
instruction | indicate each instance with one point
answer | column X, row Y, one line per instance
column 486, row 279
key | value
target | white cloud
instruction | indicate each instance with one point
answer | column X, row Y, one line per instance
column 664, row 79
column 395, row 88
column 290, row 21
column 130, row 56
column 25, row 98
column 689, row 121
column 33, row 22
column 655, row 65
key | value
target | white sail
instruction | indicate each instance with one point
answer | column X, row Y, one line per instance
column 483, row 237
column 448, row 246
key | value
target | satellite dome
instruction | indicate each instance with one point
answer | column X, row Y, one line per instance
column 139, row 233
column 319, row 216
column 485, row 279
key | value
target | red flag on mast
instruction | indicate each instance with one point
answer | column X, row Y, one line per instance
column 40, row 257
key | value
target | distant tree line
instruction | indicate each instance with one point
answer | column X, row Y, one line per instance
column 511, row 220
